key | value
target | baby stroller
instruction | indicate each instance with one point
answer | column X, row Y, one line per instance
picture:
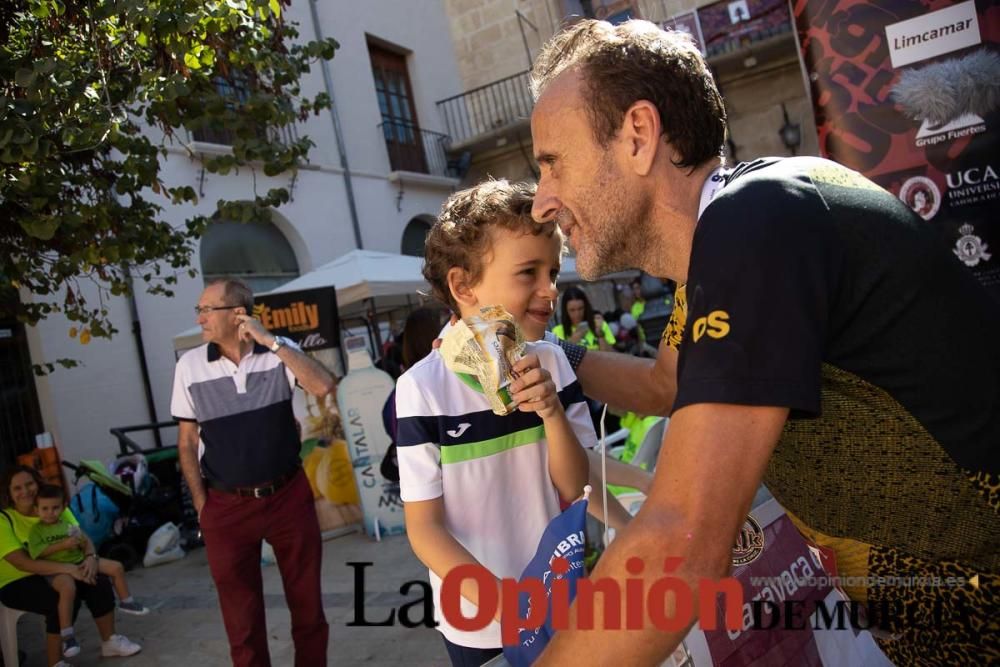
column 121, row 506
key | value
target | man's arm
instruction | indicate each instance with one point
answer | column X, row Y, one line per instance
column 711, row 464
column 644, row 386
column 308, row 372
column 187, row 451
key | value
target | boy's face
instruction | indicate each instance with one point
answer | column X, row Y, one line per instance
column 49, row 509
column 520, row 274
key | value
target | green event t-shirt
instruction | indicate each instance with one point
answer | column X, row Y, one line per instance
column 14, row 531
column 43, row 534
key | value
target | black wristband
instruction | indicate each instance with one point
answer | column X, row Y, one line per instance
column 573, row 352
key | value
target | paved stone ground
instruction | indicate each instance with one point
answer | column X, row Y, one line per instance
column 185, row 629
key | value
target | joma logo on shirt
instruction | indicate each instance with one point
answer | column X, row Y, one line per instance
column 457, row 433
column 715, row 324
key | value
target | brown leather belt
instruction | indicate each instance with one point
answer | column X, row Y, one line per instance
column 261, row 491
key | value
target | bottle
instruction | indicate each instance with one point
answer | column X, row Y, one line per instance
column 360, row 397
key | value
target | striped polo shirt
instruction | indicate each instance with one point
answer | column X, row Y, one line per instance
column 243, row 411
column 492, row 471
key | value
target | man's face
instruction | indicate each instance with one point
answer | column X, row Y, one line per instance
column 217, row 325
column 49, row 509
column 520, row 274
column 595, row 200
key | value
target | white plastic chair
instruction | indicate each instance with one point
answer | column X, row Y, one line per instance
column 649, row 448
column 8, row 635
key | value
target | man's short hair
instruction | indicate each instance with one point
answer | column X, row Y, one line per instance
column 636, row 60
column 461, row 235
column 235, row 292
column 51, row 491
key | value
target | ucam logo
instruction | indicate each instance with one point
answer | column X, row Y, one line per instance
column 457, row 433
column 715, row 324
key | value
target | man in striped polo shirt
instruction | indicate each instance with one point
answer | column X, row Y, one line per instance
column 234, row 396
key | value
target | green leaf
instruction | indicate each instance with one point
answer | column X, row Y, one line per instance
column 40, row 228
column 275, row 7
column 191, row 60
column 24, row 77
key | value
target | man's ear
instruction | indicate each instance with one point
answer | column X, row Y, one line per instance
column 460, row 286
column 641, row 134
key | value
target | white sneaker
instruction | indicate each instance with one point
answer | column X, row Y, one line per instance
column 119, row 645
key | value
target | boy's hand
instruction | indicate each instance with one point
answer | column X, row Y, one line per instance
column 534, row 389
column 71, row 542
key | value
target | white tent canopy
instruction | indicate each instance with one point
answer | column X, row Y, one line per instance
column 392, row 281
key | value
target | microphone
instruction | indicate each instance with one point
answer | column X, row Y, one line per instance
column 944, row 91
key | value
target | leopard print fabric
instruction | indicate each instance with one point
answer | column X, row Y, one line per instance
column 952, row 621
column 674, row 331
column 988, row 485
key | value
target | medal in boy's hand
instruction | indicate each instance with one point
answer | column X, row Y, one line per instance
column 486, row 346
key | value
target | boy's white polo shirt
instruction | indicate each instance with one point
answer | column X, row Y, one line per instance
column 492, row 471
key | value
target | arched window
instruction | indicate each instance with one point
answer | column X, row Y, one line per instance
column 255, row 252
column 414, row 235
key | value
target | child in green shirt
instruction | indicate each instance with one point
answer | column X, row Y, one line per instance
column 53, row 538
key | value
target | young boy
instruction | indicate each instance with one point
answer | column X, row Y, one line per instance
column 53, row 538
column 480, row 488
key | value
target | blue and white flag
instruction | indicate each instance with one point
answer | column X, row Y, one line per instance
column 564, row 537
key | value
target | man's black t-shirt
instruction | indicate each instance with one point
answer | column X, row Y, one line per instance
column 812, row 288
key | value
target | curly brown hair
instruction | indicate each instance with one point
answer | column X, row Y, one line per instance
column 636, row 60
column 461, row 236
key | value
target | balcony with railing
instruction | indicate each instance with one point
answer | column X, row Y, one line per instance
column 415, row 150
column 223, row 136
column 487, row 111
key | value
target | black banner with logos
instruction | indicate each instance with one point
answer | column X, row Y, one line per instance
column 904, row 91
column 309, row 317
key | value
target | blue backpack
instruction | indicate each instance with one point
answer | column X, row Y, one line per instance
column 96, row 513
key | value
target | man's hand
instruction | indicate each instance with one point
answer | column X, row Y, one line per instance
column 251, row 329
column 534, row 389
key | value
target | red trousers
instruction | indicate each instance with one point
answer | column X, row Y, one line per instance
column 233, row 528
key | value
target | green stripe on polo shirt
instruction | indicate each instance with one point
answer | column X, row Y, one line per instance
column 472, row 382
column 484, row 448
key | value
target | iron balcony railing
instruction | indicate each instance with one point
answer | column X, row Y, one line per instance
column 286, row 135
column 413, row 149
column 487, row 108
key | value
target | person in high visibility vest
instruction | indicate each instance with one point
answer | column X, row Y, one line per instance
column 638, row 303
column 578, row 322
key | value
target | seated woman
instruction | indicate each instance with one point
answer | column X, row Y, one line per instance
column 24, row 582
column 579, row 324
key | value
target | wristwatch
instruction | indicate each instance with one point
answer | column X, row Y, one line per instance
column 278, row 343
